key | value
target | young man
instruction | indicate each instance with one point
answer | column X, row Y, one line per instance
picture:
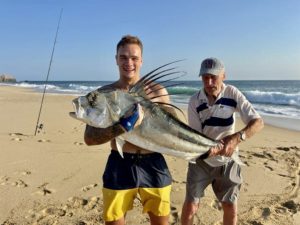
column 140, row 171
column 211, row 111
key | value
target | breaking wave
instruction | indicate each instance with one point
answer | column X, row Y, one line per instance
column 277, row 98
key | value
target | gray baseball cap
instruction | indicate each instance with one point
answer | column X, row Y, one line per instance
column 212, row 66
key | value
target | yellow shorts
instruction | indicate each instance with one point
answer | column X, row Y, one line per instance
column 118, row 202
column 146, row 175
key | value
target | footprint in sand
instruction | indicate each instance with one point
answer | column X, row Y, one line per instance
column 78, row 143
column 292, row 206
column 16, row 139
column 259, row 155
column 286, row 149
column 284, row 175
column 49, row 213
column 266, row 212
column 174, row 219
column 53, row 211
column 16, row 134
column 216, row 205
column 43, row 190
column 20, row 184
column 246, row 163
column 177, row 181
column 4, row 180
column 254, row 222
column 44, row 140
column 93, row 202
column 269, row 167
column 270, row 156
column 77, row 202
column 88, row 187
column 26, row 172
column 280, row 210
column 76, row 130
column 245, row 185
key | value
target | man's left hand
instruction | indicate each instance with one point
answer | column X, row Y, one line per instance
column 229, row 144
column 226, row 147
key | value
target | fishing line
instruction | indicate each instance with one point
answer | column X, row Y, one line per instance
column 38, row 126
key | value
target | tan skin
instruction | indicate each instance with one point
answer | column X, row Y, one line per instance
column 129, row 61
column 213, row 87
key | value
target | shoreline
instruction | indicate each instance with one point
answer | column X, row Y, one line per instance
column 282, row 122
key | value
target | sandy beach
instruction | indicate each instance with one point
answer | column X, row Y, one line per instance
column 54, row 178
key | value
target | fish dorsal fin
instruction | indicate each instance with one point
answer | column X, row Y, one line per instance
column 146, row 85
column 147, row 79
column 173, row 106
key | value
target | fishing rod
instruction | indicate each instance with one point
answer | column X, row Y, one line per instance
column 38, row 126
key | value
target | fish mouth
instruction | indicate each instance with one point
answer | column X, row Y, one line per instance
column 79, row 105
column 73, row 115
column 76, row 107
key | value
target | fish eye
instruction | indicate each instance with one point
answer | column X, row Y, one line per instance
column 92, row 97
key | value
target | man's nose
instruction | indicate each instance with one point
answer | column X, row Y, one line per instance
column 128, row 61
column 210, row 81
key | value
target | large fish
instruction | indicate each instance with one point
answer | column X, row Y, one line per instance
column 159, row 131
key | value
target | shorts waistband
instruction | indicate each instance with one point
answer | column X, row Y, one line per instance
column 135, row 155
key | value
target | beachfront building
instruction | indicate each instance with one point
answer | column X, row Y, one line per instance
column 7, row 78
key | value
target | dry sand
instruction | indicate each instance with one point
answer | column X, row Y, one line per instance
column 54, row 178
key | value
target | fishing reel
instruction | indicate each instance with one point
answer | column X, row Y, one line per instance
column 39, row 127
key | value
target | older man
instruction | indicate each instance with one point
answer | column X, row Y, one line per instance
column 211, row 111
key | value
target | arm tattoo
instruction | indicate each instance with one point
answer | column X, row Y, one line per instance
column 102, row 135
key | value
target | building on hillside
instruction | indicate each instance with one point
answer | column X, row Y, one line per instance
column 7, row 78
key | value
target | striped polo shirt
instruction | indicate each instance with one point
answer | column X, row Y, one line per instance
column 218, row 120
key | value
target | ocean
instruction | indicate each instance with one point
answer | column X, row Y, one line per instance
column 277, row 98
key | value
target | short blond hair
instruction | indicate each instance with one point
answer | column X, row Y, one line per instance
column 129, row 39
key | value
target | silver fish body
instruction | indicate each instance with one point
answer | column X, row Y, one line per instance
column 159, row 131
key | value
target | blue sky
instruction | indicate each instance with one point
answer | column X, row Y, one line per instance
column 257, row 39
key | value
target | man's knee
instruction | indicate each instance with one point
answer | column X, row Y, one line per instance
column 189, row 209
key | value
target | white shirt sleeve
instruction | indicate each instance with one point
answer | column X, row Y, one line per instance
column 245, row 108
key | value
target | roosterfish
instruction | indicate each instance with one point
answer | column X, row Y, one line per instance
column 160, row 131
